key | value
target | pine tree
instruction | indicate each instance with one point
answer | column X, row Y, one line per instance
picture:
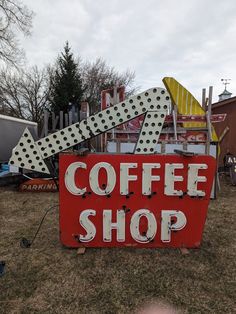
column 66, row 82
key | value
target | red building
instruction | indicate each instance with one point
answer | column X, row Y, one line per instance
column 226, row 104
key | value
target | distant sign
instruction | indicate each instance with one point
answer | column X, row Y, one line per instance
column 112, row 96
column 134, row 200
column 38, row 185
column 230, row 162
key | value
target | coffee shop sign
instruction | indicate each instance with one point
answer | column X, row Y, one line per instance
column 134, row 200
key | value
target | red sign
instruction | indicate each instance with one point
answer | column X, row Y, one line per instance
column 134, row 200
column 108, row 95
column 38, row 185
column 189, row 136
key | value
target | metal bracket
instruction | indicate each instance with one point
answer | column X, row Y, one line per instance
column 185, row 153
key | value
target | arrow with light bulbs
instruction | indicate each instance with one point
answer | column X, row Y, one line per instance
column 154, row 103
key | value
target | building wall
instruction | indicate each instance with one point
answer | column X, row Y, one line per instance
column 228, row 143
column 11, row 130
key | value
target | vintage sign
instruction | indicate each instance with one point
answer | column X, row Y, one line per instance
column 112, row 96
column 230, row 162
column 38, row 185
column 134, row 200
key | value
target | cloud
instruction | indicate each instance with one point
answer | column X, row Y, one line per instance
column 190, row 40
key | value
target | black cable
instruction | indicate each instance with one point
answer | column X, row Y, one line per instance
column 24, row 242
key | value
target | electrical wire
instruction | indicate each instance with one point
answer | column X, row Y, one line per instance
column 25, row 243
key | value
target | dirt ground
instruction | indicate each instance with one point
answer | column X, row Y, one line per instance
column 48, row 278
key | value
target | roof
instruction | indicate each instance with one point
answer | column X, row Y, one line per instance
column 225, row 92
column 224, row 102
column 3, row 117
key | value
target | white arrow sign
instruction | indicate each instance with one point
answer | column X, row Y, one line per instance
column 154, row 103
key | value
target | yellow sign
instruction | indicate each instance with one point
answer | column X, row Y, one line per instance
column 186, row 103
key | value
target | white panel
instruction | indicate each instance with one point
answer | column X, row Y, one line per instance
column 124, row 147
column 13, row 169
column 169, row 148
column 196, row 148
column 127, row 147
column 111, row 147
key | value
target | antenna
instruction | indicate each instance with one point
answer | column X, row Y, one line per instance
column 225, row 82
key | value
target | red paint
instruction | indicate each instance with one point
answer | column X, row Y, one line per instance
column 195, row 209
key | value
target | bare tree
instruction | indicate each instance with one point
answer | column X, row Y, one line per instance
column 98, row 76
column 24, row 94
column 14, row 16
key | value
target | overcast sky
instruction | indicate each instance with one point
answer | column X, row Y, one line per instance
column 191, row 40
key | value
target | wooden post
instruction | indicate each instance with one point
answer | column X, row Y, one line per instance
column 66, row 119
column 61, row 120
column 204, row 98
column 210, row 97
column 118, row 146
column 53, row 121
column 222, row 135
column 70, row 117
column 208, row 118
column 163, row 147
column 72, row 114
column 98, row 140
column 115, row 101
column 185, row 145
column 76, row 117
column 42, row 132
column 81, row 250
column 174, row 114
column 45, row 115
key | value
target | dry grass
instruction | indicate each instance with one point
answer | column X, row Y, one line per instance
column 48, row 278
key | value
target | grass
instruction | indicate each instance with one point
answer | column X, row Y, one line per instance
column 48, row 278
